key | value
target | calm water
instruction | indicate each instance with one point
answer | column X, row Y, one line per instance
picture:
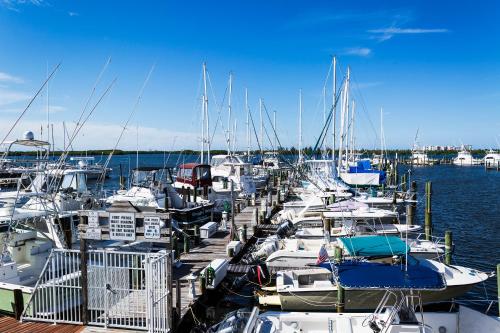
column 465, row 200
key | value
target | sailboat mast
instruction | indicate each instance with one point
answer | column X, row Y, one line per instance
column 247, row 123
column 324, row 118
column 275, row 131
column 229, row 124
column 381, row 137
column 352, row 130
column 334, row 124
column 203, row 112
column 300, row 125
column 233, row 141
column 344, row 114
column 48, row 110
column 261, row 127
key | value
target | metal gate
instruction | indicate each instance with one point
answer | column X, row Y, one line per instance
column 125, row 289
column 158, row 289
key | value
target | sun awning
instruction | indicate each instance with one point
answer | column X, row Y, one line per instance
column 369, row 275
column 374, row 246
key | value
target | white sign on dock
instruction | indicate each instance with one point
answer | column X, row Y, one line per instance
column 152, row 226
column 122, row 226
column 93, row 219
column 93, row 233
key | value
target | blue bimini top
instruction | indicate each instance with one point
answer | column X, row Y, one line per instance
column 369, row 275
column 374, row 246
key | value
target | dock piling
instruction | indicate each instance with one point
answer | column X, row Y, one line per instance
column 340, row 289
column 448, row 247
column 428, row 211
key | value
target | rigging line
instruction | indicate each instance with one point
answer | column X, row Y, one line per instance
column 131, row 114
column 30, row 102
column 330, row 115
column 87, row 103
column 272, row 126
column 254, row 129
column 363, row 104
column 219, row 107
column 65, row 153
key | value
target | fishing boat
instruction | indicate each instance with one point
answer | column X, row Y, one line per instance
column 465, row 158
column 492, row 160
column 229, row 168
column 152, row 187
column 298, row 252
column 365, row 283
column 399, row 318
column 419, row 157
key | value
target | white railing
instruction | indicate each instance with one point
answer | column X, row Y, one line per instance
column 125, row 290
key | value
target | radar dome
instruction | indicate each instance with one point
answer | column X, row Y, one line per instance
column 28, row 135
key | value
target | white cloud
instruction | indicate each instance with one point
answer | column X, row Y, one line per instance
column 5, row 77
column 358, row 51
column 73, row 14
column 387, row 33
column 13, row 4
column 95, row 135
column 9, row 97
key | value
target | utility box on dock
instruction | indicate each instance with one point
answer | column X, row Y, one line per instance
column 208, row 230
column 219, row 269
column 233, row 248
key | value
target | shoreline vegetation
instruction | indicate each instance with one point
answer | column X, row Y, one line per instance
column 308, row 151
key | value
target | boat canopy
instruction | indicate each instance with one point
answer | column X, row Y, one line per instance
column 374, row 246
column 370, row 275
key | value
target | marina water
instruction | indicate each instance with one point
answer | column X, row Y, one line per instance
column 465, row 201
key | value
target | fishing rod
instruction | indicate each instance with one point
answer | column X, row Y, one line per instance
column 102, row 177
column 64, row 155
column 31, row 102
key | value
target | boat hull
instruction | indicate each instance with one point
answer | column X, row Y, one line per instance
column 356, row 299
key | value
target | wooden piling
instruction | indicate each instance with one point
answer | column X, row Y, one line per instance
column 84, row 279
column 448, row 247
column 498, row 286
column 18, row 303
column 340, row 289
column 404, row 187
column 256, row 215
column 428, row 211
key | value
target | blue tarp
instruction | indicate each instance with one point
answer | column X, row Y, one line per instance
column 374, row 246
column 369, row 275
column 364, row 166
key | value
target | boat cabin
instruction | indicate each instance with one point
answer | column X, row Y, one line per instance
column 194, row 174
column 151, row 176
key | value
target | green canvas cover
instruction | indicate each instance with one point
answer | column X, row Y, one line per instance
column 374, row 246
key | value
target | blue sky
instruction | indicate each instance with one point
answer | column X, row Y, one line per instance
column 431, row 65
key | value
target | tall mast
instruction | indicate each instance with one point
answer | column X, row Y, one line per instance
column 204, row 103
column 261, row 127
column 247, row 123
column 233, row 141
column 300, row 125
column 229, row 125
column 351, row 144
column 343, row 116
column 48, row 110
column 381, row 136
column 324, row 118
column 274, row 130
column 334, row 124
